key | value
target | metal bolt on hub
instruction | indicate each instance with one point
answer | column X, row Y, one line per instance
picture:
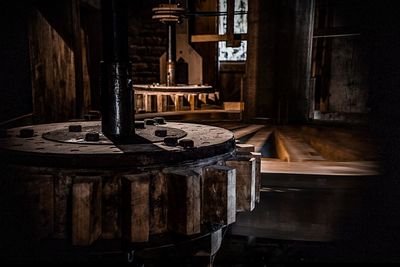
column 92, row 136
column 75, row 128
column 26, row 133
column 186, row 143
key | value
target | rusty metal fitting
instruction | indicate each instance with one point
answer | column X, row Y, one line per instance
column 159, row 120
column 75, row 128
column 186, row 143
column 92, row 137
column 171, row 141
column 26, row 133
column 140, row 125
column 161, row 132
column 149, row 122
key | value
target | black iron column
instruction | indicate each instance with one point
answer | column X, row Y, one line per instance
column 116, row 83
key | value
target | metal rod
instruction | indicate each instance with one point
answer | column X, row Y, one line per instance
column 116, row 83
column 171, row 54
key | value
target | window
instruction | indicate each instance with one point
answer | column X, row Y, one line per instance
column 240, row 27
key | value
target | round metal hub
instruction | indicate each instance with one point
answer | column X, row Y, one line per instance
column 54, row 145
column 148, row 134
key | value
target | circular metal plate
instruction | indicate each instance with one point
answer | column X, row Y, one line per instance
column 146, row 135
column 51, row 146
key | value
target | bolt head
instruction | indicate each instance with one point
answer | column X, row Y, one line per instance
column 160, row 132
column 149, row 122
column 92, row 137
column 26, row 133
column 75, row 128
column 160, row 120
column 140, row 125
column 186, row 143
column 171, row 141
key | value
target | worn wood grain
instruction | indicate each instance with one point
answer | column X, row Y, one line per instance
column 158, row 204
column 245, row 182
column 135, row 220
column 86, row 210
column 184, row 202
column 219, row 189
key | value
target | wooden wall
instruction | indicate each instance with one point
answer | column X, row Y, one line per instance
column 58, row 58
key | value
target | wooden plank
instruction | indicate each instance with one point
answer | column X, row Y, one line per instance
column 111, row 207
column 178, row 102
column 219, row 186
column 257, row 156
column 245, row 182
column 53, row 72
column 62, row 205
column 162, row 103
column 158, row 204
column 245, row 148
column 202, row 38
column 184, row 202
column 135, row 221
column 193, row 100
column 38, row 207
column 86, row 210
column 233, row 105
column 291, row 146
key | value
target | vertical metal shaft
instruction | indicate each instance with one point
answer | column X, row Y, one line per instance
column 171, row 52
column 116, row 84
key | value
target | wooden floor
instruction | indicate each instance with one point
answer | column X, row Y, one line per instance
column 313, row 181
column 309, row 149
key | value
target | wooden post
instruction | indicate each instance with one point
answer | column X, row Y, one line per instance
column 86, row 210
column 162, row 103
column 147, row 102
column 178, row 102
column 245, row 182
column 184, row 202
column 193, row 100
column 219, row 187
column 135, row 198
column 158, row 204
column 257, row 156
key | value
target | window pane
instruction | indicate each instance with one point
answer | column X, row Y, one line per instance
column 240, row 27
column 232, row 53
column 240, row 20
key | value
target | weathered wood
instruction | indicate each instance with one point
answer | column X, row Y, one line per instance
column 86, row 210
column 193, row 100
column 158, row 204
column 111, row 207
column 246, row 148
column 184, row 202
column 62, row 205
column 53, row 72
column 162, row 103
column 178, row 102
column 39, row 205
column 245, row 182
column 219, row 187
column 257, row 156
column 135, row 220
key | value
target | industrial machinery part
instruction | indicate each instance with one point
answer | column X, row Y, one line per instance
column 170, row 14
